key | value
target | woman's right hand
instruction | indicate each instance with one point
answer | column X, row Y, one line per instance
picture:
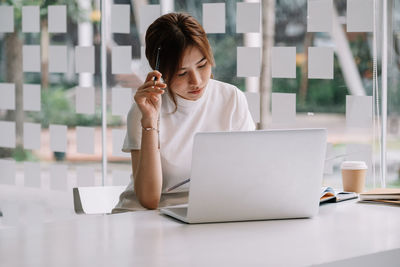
column 148, row 99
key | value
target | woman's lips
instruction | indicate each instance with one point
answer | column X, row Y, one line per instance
column 196, row 92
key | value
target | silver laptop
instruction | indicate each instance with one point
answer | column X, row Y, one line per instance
column 257, row 175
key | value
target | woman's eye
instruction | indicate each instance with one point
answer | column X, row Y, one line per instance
column 182, row 74
column 202, row 66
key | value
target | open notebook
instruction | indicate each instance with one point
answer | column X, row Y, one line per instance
column 328, row 194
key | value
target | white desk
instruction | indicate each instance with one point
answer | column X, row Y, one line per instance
column 340, row 231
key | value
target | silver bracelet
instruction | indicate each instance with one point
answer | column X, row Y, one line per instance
column 150, row 129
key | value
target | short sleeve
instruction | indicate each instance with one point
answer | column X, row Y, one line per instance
column 242, row 119
column 133, row 135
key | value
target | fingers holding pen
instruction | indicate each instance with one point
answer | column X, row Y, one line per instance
column 150, row 83
column 147, row 91
column 151, row 90
column 153, row 74
column 154, row 84
column 152, row 87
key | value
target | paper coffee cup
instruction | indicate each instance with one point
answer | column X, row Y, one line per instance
column 353, row 176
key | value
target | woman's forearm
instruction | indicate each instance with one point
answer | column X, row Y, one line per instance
column 148, row 176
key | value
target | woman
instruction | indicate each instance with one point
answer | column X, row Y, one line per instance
column 166, row 115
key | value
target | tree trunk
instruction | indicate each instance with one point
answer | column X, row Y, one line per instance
column 268, row 34
column 304, row 68
column 44, row 45
column 14, row 75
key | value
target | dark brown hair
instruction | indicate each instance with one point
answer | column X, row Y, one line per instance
column 174, row 32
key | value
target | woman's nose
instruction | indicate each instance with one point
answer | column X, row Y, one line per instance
column 195, row 78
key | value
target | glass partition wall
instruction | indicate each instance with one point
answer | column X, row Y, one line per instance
column 318, row 63
column 50, row 107
column 393, row 96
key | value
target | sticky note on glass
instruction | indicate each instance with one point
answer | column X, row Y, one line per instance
column 120, row 18
column 31, row 58
column 32, row 174
column 360, row 15
column 7, row 134
column 118, row 137
column 58, row 138
column 319, row 15
column 58, row 59
column 84, row 101
column 31, row 97
column 57, row 19
column 84, row 59
column 121, row 60
column 248, row 17
column 30, row 19
column 147, row 15
column 85, row 140
column 253, row 100
column 214, row 18
column 121, row 100
column 6, row 18
column 58, row 177
column 121, row 177
column 283, row 62
column 283, row 108
column 248, row 61
column 85, row 176
column 7, row 96
column 320, row 63
column 359, row 111
column 32, row 135
column 7, row 172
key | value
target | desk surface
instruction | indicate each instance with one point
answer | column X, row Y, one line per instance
column 340, row 231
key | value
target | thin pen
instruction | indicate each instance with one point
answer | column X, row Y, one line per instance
column 157, row 62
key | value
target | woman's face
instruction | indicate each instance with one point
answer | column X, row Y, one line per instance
column 192, row 76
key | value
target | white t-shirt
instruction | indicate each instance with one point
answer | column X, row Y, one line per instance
column 223, row 107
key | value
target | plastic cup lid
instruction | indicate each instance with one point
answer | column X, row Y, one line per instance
column 354, row 165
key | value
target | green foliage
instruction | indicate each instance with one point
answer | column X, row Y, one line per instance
column 396, row 183
column 224, row 50
column 362, row 56
column 57, row 109
column 394, row 91
column 20, row 154
column 322, row 95
column 328, row 96
column 283, row 85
